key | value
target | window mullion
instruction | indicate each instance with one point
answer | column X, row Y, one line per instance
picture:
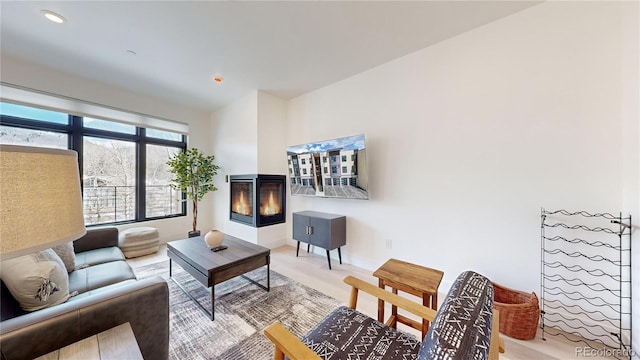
column 141, row 175
column 75, row 140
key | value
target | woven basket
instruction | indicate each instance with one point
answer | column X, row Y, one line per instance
column 519, row 312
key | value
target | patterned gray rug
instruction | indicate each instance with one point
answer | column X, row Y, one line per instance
column 242, row 311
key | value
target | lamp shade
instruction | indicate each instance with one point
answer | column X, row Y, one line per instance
column 40, row 199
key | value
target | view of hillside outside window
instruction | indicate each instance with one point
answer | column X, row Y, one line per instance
column 166, row 135
column 109, row 153
column 108, row 125
column 162, row 199
column 108, row 180
column 29, row 137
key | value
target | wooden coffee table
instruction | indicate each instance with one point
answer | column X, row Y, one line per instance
column 211, row 268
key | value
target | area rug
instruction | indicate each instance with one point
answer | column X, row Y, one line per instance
column 242, row 311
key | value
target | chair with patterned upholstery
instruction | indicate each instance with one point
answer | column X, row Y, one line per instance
column 464, row 328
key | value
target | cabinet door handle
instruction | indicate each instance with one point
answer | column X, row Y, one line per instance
column 310, row 230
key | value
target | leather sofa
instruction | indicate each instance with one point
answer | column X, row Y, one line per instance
column 108, row 295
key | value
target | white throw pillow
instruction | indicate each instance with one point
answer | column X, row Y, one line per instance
column 67, row 255
column 36, row 280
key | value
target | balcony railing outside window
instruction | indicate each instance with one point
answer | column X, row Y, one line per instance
column 108, row 204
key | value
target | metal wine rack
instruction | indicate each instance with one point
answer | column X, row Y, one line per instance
column 586, row 278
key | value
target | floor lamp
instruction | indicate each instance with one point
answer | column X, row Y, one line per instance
column 40, row 199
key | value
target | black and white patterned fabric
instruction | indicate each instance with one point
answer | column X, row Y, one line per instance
column 349, row 334
column 460, row 331
column 462, row 328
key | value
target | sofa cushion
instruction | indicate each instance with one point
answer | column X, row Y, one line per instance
column 107, row 288
column 96, row 239
column 9, row 307
column 349, row 334
column 462, row 327
column 93, row 277
column 67, row 255
column 37, row 280
column 98, row 256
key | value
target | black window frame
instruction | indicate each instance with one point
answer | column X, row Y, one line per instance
column 76, row 131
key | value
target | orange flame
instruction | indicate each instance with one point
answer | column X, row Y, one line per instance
column 272, row 207
column 241, row 205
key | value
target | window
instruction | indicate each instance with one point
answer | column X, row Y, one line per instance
column 334, row 170
column 124, row 173
column 35, row 114
column 108, row 125
column 344, row 169
column 108, row 180
column 344, row 158
column 165, row 135
column 29, row 137
column 304, row 162
column 304, row 171
column 162, row 199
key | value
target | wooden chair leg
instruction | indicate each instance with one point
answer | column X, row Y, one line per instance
column 278, row 354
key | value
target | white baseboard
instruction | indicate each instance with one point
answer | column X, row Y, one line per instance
column 272, row 244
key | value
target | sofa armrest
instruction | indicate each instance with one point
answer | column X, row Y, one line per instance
column 97, row 239
column 144, row 304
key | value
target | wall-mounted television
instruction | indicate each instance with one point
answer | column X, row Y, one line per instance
column 334, row 168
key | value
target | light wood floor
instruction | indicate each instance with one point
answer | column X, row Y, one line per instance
column 311, row 270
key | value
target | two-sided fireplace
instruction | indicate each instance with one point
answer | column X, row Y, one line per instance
column 258, row 200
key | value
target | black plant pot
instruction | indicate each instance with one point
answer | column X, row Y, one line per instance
column 194, row 233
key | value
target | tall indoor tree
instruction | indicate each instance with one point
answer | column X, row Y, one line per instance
column 193, row 174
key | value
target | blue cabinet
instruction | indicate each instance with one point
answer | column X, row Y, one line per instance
column 327, row 231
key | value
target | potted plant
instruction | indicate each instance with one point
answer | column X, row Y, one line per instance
column 193, row 174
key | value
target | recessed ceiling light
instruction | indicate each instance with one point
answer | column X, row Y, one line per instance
column 218, row 78
column 56, row 18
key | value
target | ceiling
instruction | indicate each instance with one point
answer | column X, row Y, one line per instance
column 283, row 48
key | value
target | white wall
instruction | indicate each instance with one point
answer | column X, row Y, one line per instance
column 468, row 139
column 272, row 156
column 249, row 138
column 235, row 138
column 47, row 79
column 630, row 104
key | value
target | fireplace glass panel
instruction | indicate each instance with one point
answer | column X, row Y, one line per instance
column 270, row 199
column 241, row 195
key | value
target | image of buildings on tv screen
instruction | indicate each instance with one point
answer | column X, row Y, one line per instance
column 332, row 168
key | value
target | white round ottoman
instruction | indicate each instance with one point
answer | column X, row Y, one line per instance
column 139, row 241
